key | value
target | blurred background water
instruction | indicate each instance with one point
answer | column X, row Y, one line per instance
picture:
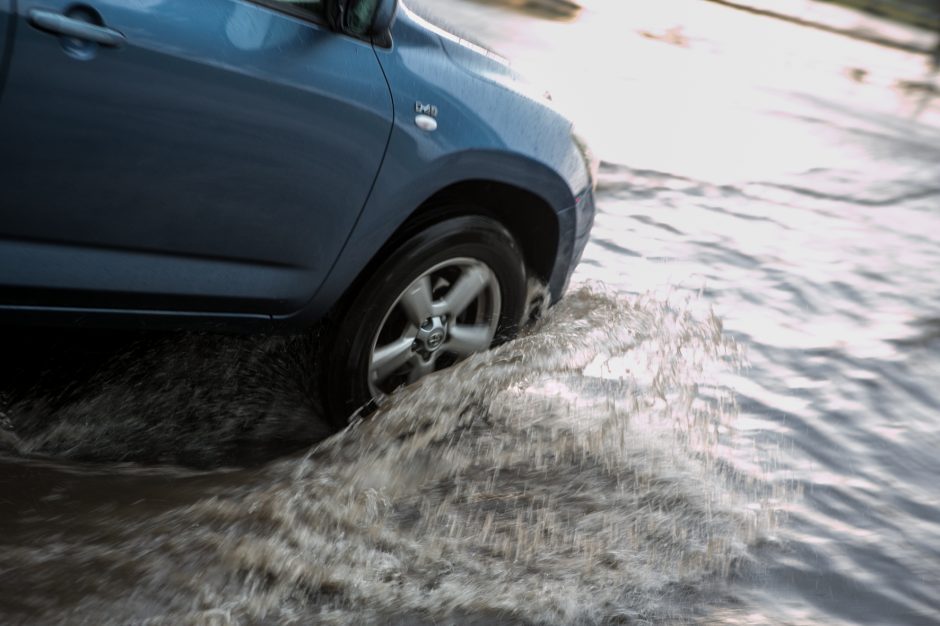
column 732, row 417
column 791, row 176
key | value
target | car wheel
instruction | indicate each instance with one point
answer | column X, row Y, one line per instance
column 456, row 288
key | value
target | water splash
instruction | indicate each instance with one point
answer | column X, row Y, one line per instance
column 572, row 475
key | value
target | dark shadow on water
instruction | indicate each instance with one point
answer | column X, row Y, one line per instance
column 195, row 400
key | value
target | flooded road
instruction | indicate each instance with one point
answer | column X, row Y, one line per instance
column 570, row 475
column 732, row 417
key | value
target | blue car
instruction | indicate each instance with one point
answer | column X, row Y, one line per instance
column 270, row 164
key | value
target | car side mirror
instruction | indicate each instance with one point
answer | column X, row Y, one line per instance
column 361, row 17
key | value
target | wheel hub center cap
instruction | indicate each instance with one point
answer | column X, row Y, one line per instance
column 432, row 334
column 435, row 340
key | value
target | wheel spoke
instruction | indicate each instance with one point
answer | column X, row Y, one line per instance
column 416, row 301
column 465, row 290
column 390, row 357
column 421, row 368
column 465, row 339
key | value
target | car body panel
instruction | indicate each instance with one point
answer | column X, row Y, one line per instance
column 491, row 126
column 480, row 136
column 215, row 163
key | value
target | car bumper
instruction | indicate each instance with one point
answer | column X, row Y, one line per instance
column 575, row 228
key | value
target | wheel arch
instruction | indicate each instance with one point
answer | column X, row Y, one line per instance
column 529, row 218
column 529, row 199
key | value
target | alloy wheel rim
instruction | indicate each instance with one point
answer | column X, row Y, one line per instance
column 446, row 314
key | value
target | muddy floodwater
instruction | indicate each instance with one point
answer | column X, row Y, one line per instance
column 732, row 417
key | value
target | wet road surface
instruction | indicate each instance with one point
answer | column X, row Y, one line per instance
column 732, row 417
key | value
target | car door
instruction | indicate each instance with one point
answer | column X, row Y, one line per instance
column 205, row 156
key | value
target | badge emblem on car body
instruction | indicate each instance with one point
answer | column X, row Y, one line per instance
column 425, row 109
column 426, row 116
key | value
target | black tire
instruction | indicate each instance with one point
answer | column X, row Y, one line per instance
column 452, row 253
